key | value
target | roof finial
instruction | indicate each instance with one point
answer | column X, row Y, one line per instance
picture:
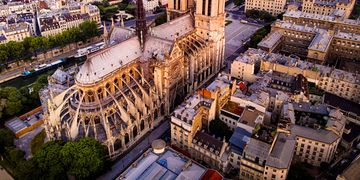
column 141, row 28
column 112, row 23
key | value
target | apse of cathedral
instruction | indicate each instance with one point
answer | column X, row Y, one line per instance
column 123, row 91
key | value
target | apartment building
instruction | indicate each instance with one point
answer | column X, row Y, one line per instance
column 16, row 32
column 53, row 23
column 349, row 109
column 318, row 130
column 93, row 11
column 341, row 83
column 262, row 160
column 250, row 119
column 274, row 7
column 330, row 22
column 150, row 5
column 246, row 66
column 220, row 90
column 237, row 142
column 313, row 43
column 327, row 7
column 189, row 125
column 231, row 113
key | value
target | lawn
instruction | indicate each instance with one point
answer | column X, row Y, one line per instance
column 37, row 142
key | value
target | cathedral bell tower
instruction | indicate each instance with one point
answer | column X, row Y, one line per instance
column 177, row 8
column 210, row 25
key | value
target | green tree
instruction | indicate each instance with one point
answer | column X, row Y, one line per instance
column 260, row 14
column 16, row 50
column 6, row 139
column 15, row 155
column 161, row 19
column 40, row 82
column 299, row 172
column 11, row 101
column 84, row 158
column 27, row 170
column 3, row 54
column 239, row 2
column 220, row 129
column 88, row 29
column 49, row 162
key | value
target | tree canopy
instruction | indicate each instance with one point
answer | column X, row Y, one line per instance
column 299, row 172
column 6, row 139
column 31, row 46
column 220, row 129
column 82, row 159
column 161, row 19
column 14, row 101
column 239, row 2
column 260, row 14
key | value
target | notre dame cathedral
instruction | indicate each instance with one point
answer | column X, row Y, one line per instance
column 123, row 90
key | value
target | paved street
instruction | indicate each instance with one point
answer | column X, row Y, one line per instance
column 131, row 156
column 343, row 163
column 236, row 34
column 4, row 175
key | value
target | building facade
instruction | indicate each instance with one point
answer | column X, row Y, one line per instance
column 318, row 134
column 117, row 102
column 341, row 83
column 327, row 41
column 274, row 7
column 189, row 125
column 16, row 32
column 326, row 7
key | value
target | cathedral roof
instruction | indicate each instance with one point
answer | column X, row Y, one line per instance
column 158, row 43
column 120, row 34
column 108, row 60
column 175, row 28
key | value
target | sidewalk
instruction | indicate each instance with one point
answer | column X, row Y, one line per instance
column 135, row 152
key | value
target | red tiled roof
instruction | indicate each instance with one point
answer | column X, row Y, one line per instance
column 212, row 174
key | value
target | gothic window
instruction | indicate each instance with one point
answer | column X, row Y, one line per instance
column 100, row 93
column 127, row 138
column 142, row 125
column 209, row 8
column 135, row 133
column 117, row 144
column 108, row 88
column 90, row 94
column 116, row 82
column 97, row 120
column 87, row 120
column 203, row 7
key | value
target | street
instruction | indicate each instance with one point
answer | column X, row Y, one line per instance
column 236, row 33
column 135, row 152
column 343, row 163
column 24, row 141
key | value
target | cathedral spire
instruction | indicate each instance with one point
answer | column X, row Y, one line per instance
column 105, row 34
column 141, row 29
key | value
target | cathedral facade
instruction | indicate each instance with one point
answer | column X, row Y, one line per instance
column 123, row 91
